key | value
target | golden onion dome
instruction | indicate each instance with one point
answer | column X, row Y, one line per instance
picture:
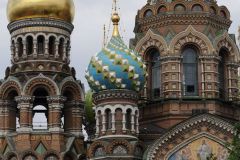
column 24, row 9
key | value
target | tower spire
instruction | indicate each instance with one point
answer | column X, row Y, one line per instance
column 115, row 19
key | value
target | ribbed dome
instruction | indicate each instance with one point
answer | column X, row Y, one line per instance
column 116, row 67
column 24, row 9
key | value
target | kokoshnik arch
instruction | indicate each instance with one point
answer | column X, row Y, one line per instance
column 173, row 94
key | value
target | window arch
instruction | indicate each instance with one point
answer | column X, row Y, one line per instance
column 128, row 119
column 190, row 71
column 179, row 8
column 61, row 47
column 108, row 119
column 222, row 73
column 20, row 47
column 154, row 69
column 148, row 13
column 223, row 14
column 213, row 10
column 162, row 9
column 51, row 45
column 29, row 44
column 197, row 8
column 40, row 44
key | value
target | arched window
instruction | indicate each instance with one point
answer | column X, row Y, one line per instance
column 51, row 45
column 162, row 9
column 29, row 45
column 40, row 109
column 213, row 10
column 40, row 44
column 197, row 8
column 190, row 70
column 148, row 13
column 61, row 47
column 20, row 47
column 13, row 158
column 154, row 72
column 108, row 119
column 223, row 14
column 99, row 151
column 179, row 8
column 222, row 73
column 128, row 119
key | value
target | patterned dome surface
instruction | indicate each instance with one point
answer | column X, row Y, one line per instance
column 116, row 67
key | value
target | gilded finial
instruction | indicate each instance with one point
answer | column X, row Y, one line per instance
column 115, row 20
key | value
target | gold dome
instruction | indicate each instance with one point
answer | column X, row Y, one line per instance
column 24, row 9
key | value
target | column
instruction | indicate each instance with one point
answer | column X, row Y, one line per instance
column 16, row 57
column 132, row 122
column 55, row 104
column 113, row 123
column 24, row 49
column 56, row 49
column 35, row 48
column 97, row 124
column 64, row 51
column 68, row 54
column 203, row 77
column 124, row 122
column 137, row 123
column 103, row 123
column 46, row 53
column 229, row 83
column 25, row 105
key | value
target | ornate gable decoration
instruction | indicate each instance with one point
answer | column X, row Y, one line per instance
column 152, row 40
column 196, row 127
column 191, row 36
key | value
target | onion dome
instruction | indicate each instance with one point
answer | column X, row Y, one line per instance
column 116, row 66
column 26, row 9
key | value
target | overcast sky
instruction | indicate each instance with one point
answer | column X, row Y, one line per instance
column 88, row 33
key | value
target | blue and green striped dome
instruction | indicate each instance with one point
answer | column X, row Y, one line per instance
column 116, row 67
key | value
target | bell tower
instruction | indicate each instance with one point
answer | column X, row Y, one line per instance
column 41, row 101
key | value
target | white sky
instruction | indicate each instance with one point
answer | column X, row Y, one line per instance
column 88, row 33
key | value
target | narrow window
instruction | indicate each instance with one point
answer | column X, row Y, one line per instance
column 190, row 70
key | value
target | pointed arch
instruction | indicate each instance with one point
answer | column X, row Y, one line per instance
column 152, row 40
column 226, row 41
column 191, row 36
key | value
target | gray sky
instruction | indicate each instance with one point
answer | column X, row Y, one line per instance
column 88, row 33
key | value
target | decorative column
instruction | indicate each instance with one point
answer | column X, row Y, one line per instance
column 55, row 104
column 16, row 57
column 7, row 116
column 56, row 49
column 35, row 48
column 25, row 105
column 64, row 51
column 113, row 123
column 73, row 115
column 97, row 125
column 103, row 123
column 46, row 47
column 24, row 49
column 133, row 123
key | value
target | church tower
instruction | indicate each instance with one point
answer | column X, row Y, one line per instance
column 41, row 101
column 117, row 75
